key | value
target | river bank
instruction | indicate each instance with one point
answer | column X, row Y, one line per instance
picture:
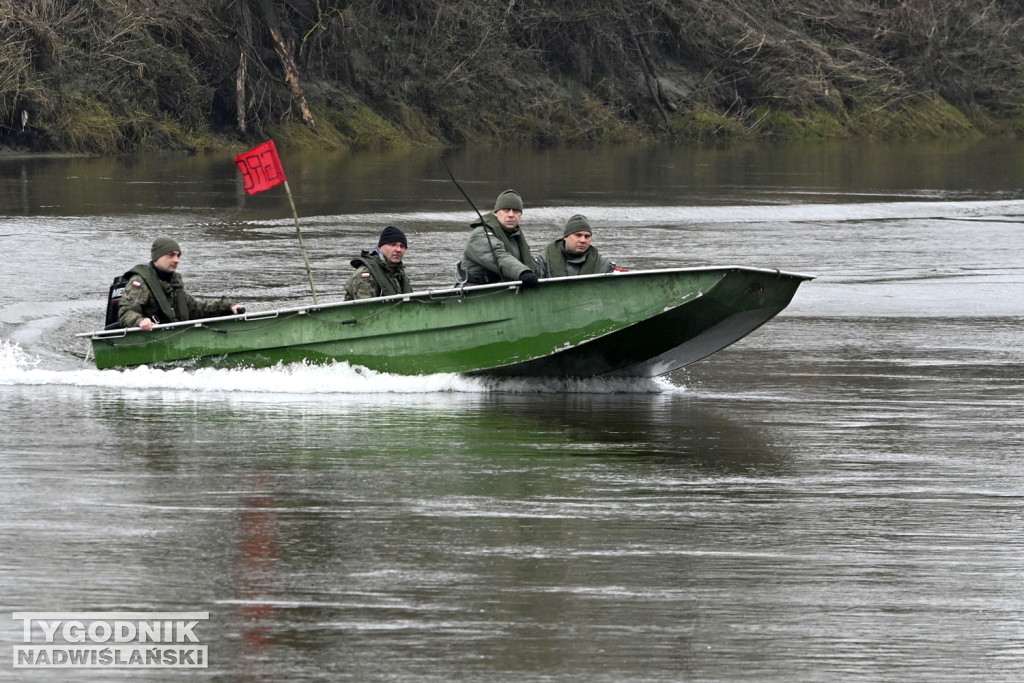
column 214, row 75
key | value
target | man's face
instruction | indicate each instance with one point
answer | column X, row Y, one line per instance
column 509, row 218
column 578, row 242
column 393, row 252
column 168, row 262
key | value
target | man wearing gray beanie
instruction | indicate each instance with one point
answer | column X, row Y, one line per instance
column 573, row 254
column 380, row 271
column 155, row 292
column 497, row 250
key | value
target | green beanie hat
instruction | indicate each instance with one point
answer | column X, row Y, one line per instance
column 509, row 199
column 163, row 245
column 577, row 223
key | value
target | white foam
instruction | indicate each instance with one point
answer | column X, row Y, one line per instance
column 20, row 368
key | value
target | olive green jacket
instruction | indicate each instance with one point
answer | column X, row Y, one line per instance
column 148, row 296
column 556, row 262
column 494, row 254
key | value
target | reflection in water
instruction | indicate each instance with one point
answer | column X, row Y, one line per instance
column 404, row 181
column 255, row 564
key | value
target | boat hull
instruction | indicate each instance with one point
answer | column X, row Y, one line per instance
column 637, row 323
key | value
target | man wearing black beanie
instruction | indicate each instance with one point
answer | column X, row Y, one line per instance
column 380, row 271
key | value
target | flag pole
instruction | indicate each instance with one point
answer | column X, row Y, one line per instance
column 302, row 246
column 261, row 169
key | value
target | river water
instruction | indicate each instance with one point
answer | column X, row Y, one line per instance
column 839, row 496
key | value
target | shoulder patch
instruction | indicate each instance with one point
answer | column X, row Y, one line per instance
column 136, row 283
column 365, row 275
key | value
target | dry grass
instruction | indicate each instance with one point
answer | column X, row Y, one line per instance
column 116, row 76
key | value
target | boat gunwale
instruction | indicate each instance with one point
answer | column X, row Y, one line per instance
column 424, row 294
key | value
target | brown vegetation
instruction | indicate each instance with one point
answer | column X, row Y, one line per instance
column 107, row 76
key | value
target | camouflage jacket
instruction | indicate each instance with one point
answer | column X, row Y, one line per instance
column 146, row 295
column 376, row 277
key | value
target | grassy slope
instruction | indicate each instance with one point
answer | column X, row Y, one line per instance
column 99, row 76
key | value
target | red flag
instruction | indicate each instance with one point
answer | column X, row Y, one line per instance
column 261, row 168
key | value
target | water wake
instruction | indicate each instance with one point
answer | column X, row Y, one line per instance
column 19, row 368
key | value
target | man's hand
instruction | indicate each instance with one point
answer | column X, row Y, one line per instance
column 529, row 280
column 146, row 325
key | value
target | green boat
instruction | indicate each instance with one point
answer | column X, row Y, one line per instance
column 639, row 323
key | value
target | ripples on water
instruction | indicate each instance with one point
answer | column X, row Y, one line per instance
column 838, row 496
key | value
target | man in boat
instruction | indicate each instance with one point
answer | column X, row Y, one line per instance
column 156, row 294
column 380, row 271
column 497, row 250
column 574, row 254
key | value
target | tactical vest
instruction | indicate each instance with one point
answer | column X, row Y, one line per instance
column 168, row 313
column 521, row 246
column 381, row 275
column 515, row 245
column 555, row 256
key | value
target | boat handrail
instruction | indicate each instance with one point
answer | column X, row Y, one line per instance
column 425, row 294
column 261, row 315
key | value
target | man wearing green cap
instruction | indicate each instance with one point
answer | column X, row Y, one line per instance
column 380, row 272
column 156, row 294
column 573, row 254
column 497, row 250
